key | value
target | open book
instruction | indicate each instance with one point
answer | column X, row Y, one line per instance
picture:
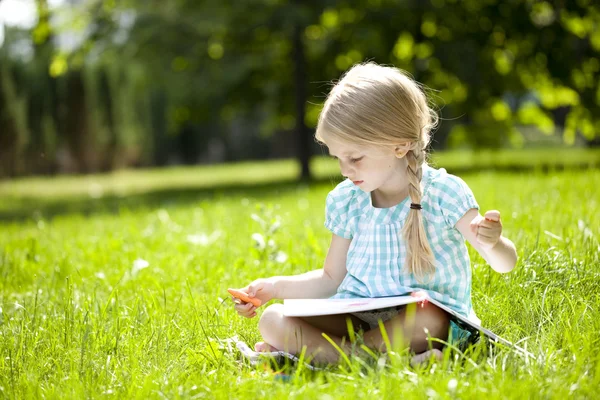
column 316, row 307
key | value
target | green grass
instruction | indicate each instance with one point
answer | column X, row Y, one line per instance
column 79, row 320
column 77, row 193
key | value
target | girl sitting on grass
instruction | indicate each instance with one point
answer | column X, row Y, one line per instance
column 399, row 226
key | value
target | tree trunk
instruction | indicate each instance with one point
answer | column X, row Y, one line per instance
column 105, row 103
column 158, row 126
column 302, row 134
column 77, row 129
column 42, row 96
column 10, row 149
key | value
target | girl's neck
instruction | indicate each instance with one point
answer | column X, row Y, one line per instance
column 394, row 191
column 381, row 200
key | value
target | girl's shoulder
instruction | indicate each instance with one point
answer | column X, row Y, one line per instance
column 344, row 188
column 441, row 183
column 448, row 195
column 343, row 207
column 346, row 193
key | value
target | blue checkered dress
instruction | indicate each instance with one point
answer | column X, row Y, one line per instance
column 377, row 254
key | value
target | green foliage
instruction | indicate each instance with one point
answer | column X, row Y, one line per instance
column 184, row 75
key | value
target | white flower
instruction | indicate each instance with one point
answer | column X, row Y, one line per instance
column 281, row 257
column 452, row 385
column 139, row 265
column 260, row 241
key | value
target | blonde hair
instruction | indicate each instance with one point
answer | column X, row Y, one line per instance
column 382, row 106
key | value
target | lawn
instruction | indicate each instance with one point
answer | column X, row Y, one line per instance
column 120, row 291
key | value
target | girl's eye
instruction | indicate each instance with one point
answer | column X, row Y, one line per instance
column 355, row 160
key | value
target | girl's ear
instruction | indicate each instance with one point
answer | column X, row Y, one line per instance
column 402, row 149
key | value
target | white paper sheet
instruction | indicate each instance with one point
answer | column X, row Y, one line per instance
column 315, row 307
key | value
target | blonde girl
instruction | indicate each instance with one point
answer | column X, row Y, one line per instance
column 398, row 226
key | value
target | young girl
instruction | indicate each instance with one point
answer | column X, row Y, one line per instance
column 399, row 226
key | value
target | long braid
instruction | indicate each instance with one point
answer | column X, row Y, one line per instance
column 419, row 258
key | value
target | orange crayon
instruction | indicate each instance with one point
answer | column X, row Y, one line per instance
column 238, row 294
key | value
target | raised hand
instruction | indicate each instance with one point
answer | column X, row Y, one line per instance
column 487, row 229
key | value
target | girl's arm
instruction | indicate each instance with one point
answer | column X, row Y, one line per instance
column 320, row 283
column 485, row 235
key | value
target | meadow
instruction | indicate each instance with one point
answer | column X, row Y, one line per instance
column 114, row 286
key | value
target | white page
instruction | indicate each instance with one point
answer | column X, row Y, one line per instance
column 314, row 307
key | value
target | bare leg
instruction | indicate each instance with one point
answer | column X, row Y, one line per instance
column 426, row 356
column 336, row 325
column 291, row 334
column 408, row 328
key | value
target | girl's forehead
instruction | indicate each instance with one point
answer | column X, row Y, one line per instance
column 339, row 148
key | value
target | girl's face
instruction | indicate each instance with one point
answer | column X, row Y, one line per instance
column 369, row 167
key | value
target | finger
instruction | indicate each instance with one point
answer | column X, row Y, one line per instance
column 490, row 230
column 492, row 215
column 475, row 223
column 240, row 307
column 252, row 291
column 245, row 313
column 244, row 307
column 490, row 224
column 250, row 313
column 485, row 236
column 238, row 301
column 489, row 240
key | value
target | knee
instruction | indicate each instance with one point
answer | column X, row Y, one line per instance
column 271, row 320
column 435, row 320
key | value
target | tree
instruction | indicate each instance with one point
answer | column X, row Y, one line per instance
column 156, row 79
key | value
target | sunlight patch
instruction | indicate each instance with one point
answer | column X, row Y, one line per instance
column 202, row 239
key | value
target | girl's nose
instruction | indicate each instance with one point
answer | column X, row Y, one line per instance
column 345, row 169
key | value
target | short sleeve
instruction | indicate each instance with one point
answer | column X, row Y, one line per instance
column 456, row 198
column 337, row 210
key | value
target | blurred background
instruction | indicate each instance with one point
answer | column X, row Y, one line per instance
column 91, row 86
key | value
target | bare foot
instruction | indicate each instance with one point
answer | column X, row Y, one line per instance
column 263, row 347
column 423, row 358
